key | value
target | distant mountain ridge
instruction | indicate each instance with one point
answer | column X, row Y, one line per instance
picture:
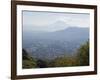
column 71, row 33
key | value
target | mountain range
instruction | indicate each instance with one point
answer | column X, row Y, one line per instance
column 55, row 43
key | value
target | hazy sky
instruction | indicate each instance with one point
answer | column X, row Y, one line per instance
column 36, row 20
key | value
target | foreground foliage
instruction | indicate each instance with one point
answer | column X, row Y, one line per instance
column 80, row 59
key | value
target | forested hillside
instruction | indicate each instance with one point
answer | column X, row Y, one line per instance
column 49, row 45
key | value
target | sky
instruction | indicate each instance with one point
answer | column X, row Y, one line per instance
column 53, row 21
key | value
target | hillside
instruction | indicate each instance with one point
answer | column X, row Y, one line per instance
column 49, row 45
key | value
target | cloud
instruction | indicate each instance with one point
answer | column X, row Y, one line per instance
column 38, row 20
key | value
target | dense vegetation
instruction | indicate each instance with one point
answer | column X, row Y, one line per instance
column 80, row 59
column 28, row 62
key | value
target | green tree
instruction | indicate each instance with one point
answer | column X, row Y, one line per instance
column 28, row 61
column 42, row 63
column 24, row 54
column 83, row 54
